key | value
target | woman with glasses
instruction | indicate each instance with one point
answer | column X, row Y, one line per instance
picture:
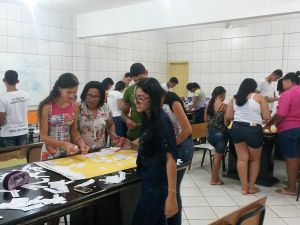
column 95, row 116
column 57, row 115
column 157, row 155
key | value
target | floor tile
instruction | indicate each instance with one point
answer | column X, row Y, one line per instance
column 213, row 191
column 286, row 211
column 200, row 222
column 198, row 213
column 274, row 221
column 185, row 222
column 223, row 211
column 190, row 192
column 194, row 201
column 292, row 221
column 220, row 201
column 244, row 199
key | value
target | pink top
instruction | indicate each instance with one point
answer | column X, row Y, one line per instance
column 289, row 108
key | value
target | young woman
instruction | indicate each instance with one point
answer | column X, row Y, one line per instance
column 248, row 110
column 95, row 116
column 58, row 120
column 198, row 102
column 157, row 155
column 287, row 120
column 217, row 130
column 173, row 106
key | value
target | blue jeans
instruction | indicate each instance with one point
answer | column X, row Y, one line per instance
column 14, row 141
column 119, row 125
column 218, row 139
column 150, row 209
column 185, row 153
column 199, row 115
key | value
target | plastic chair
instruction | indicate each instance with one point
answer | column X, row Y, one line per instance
column 33, row 126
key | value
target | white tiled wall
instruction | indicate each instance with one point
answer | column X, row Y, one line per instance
column 53, row 34
column 225, row 56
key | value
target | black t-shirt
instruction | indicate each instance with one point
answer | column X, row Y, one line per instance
column 170, row 98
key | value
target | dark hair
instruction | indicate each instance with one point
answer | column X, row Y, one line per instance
column 106, row 82
column 280, row 86
column 293, row 77
column 127, row 75
column 66, row 80
column 120, row 86
column 153, row 88
column 97, row 85
column 137, row 69
column 11, row 77
column 298, row 75
column 248, row 86
column 216, row 92
column 277, row 72
column 174, row 80
column 193, row 85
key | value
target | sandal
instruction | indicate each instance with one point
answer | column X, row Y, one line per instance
column 285, row 192
column 255, row 191
column 218, row 183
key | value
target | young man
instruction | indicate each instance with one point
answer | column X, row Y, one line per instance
column 266, row 89
column 133, row 122
column 127, row 79
column 13, row 112
column 170, row 84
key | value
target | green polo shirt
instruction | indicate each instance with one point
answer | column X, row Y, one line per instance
column 134, row 115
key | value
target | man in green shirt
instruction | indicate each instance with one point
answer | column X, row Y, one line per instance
column 133, row 122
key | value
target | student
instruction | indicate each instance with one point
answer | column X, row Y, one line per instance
column 170, row 84
column 157, row 155
column 115, row 102
column 173, row 106
column 95, row 116
column 107, row 83
column 13, row 112
column 133, row 122
column 266, row 89
column 217, row 130
column 58, row 115
column 198, row 102
column 248, row 110
column 287, row 120
column 127, row 79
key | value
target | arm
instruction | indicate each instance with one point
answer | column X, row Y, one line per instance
column 205, row 115
column 125, row 112
column 265, row 112
column 75, row 135
column 229, row 113
column 2, row 118
column 226, row 121
column 196, row 99
column 171, row 206
column 275, row 119
column 111, row 129
column 120, row 104
column 183, row 121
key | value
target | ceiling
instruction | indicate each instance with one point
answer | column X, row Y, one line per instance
column 77, row 6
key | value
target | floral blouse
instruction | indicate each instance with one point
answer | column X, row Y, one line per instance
column 93, row 130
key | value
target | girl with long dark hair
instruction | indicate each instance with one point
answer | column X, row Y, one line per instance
column 157, row 155
column 248, row 110
column 58, row 120
column 217, row 130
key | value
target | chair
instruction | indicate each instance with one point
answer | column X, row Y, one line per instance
column 251, row 214
column 33, row 126
column 199, row 131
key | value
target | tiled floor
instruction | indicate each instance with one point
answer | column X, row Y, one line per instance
column 203, row 203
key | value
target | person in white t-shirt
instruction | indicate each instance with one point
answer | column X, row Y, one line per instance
column 266, row 89
column 13, row 112
column 115, row 102
column 170, row 84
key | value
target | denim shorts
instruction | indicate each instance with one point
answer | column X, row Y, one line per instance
column 243, row 132
column 14, row 141
column 289, row 143
column 218, row 140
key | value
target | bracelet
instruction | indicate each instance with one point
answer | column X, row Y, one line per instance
column 172, row 190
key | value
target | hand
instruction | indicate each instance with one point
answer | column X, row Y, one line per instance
column 130, row 124
column 171, row 207
column 70, row 148
column 84, row 149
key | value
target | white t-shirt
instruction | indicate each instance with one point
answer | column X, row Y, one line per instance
column 15, row 105
column 164, row 86
column 266, row 89
column 112, row 100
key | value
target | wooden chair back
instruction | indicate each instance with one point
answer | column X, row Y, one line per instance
column 199, row 130
column 251, row 214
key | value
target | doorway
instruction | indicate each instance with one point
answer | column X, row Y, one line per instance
column 181, row 71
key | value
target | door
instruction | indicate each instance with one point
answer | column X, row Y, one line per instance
column 181, row 71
